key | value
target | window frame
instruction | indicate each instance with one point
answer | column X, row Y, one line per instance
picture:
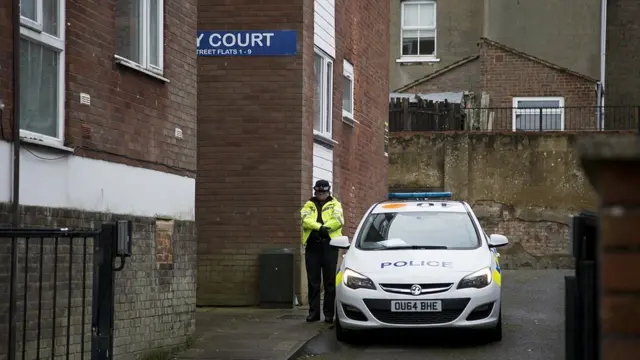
column 145, row 18
column 33, row 31
column 418, row 28
column 348, row 72
column 520, row 111
column 326, row 114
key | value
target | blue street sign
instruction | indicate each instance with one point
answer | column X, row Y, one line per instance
column 247, row 43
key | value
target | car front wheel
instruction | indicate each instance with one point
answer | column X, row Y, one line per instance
column 343, row 335
column 495, row 334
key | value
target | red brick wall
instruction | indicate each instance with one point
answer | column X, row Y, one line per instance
column 132, row 116
column 255, row 144
column 360, row 166
column 613, row 168
column 254, row 150
column 505, row 75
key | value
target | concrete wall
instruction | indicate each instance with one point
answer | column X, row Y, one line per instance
column 524, row 186
column 623, row 53
column 563, row 32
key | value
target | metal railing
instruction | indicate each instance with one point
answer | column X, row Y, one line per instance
column 48, row 295
column 452, row 117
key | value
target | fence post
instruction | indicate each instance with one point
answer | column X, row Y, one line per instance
column 103, row 294
column 406, row 119
column 540, row 110
column 11, row 353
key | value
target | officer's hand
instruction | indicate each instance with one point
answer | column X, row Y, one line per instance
column 324, row 231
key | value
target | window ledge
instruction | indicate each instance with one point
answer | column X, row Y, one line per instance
column 46, row 144
column 130, row 64
column 324, row 139
column 349, row 120
column 417, row 60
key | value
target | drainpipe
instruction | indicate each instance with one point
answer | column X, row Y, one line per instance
column 15, row 108
column 603, row 56
column 16, row 113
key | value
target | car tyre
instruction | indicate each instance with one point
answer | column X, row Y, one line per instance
column 342, row 334
column 495, row 334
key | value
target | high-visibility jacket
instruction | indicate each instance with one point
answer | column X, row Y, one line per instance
column 332, row 216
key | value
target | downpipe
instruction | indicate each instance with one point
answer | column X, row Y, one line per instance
column 15, row 108
column 603, row 63
column 16, row 113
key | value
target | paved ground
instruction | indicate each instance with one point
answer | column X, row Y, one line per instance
column 249, row 334
column 533, row 311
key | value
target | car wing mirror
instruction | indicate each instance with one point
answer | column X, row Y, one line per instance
column 497, row 240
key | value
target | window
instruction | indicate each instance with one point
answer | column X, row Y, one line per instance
column 538, row 114
column 139, row 29
column 323, row 96
column 42, row 70
column 347, row 92
column 418, row 29
column 450, row 230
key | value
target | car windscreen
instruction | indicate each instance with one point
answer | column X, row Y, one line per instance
column 418, row 230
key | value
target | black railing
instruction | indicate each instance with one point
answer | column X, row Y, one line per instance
column 48, row 293
column 57, row 291
column 449, row 117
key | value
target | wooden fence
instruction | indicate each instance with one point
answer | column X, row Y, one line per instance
column 424, row 115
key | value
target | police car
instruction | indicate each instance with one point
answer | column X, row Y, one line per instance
column 419, row 260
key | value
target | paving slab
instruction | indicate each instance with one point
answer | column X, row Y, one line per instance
column 250, row 333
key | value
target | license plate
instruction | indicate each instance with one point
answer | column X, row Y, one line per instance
column 416, row 306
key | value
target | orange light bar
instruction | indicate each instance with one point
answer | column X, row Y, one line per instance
column 393, row 206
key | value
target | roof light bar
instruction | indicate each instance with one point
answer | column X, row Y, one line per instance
column 421, row 195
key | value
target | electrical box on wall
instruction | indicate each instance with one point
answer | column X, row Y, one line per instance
column 124, row 232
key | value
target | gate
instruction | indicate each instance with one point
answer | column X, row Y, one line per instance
column 57, row 291
column 581, row 291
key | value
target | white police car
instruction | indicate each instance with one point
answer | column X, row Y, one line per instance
column 419, row 263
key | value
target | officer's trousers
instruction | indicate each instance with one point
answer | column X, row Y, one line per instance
column 321, row 261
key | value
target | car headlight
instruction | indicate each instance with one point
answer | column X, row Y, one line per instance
column 478, row 279
column 354, row 280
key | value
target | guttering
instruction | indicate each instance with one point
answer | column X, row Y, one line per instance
column 16, row 113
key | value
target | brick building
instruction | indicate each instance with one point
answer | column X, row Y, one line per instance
column 107, row 111
column 269, row 126
column 612, row 167
column 500, row 79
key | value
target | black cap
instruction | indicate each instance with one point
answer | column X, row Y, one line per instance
column 322, row 185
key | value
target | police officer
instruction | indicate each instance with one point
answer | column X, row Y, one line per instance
column 322, row 220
